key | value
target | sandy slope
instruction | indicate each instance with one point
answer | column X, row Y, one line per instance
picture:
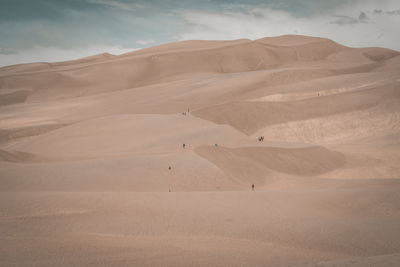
column 86, row 146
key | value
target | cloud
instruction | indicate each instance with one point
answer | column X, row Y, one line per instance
column 362, row 17
column 7, row 51
column 393, row 12
column 145, row 42
column 127, row 6
column 79, row 23
column 345, row 20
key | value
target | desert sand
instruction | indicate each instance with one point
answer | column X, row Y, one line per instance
column 93, row 171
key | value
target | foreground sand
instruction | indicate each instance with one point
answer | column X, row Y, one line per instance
column 85, row 148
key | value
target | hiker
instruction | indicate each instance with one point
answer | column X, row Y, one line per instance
column 183, row 146
column 252, row 187
column 169, row 168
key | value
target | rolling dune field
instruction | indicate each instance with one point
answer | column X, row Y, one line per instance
column 147, row 158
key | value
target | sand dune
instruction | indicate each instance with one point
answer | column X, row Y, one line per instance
column 240, row 114
column 305, row 161
column 90, row 148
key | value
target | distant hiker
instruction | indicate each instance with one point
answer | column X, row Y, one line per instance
column 183, row 146
column 261, row 138
column 252, row 187
column 169, row 168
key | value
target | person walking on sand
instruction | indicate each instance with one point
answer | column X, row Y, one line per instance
column 183, row 146
column 252, row 187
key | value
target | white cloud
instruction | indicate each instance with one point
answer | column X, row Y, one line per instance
column 145, row 42
column 52, row 54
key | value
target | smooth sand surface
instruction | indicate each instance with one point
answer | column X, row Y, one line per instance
column 93, row 171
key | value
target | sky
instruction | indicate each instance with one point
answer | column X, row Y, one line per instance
column 58, row 30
